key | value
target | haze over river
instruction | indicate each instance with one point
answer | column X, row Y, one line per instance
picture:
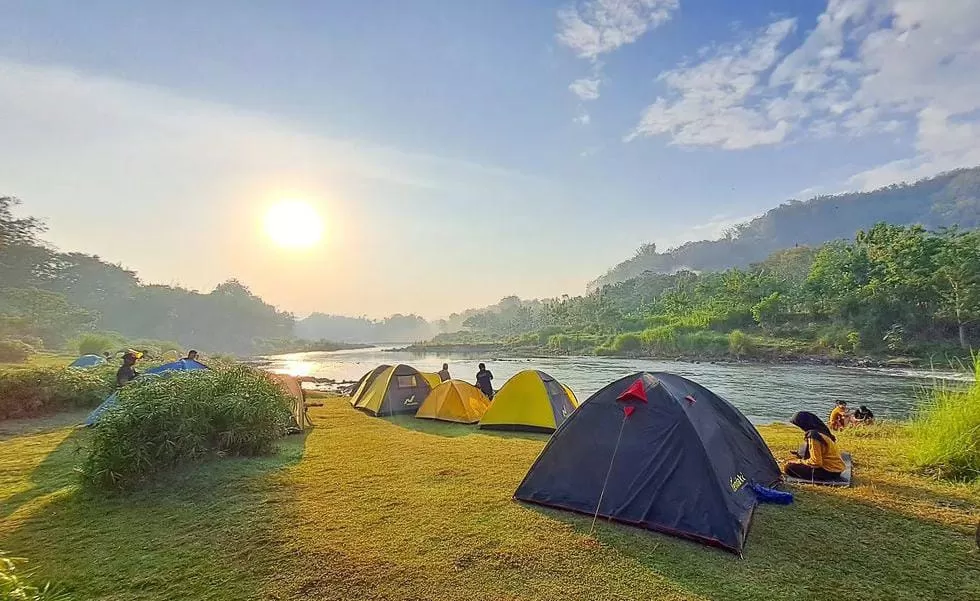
column 765, row 393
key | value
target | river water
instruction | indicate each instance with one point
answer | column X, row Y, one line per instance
column 764, row 393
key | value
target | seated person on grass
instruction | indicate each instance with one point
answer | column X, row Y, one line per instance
column 863, row 416
column 840, row 418
column 819, row 457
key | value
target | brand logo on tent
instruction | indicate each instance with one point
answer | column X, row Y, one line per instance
column 737, row 482
column 410, row 401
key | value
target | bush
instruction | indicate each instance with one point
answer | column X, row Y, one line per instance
column 629, row 342
column 945, row 432
column 14, row 585
column 660, row 340
column 37, row 391
column 15, row 351
column 739, row 343
column 97, row 343
column 161, row 423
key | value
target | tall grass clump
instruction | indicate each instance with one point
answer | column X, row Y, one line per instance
column 15, row 585
column 945, row 432
column 15, row 351
column 163, row 422
column 96, row 343
column 34, row 391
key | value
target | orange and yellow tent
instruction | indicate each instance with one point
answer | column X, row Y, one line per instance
column 454, row 401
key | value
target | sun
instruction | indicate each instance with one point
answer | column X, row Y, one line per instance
column 293, row 224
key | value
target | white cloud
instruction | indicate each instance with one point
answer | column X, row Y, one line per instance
column 585, row 88
column 868, row 67
column 718, row 101
column 583, row 118
column 598, row 27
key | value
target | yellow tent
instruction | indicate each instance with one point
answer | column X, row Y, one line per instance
column 365, row 382
column 398, row 389
column 433, row 379
column 454, row 401
column 533, row 401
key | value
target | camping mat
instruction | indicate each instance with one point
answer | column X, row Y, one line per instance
column 845, row 476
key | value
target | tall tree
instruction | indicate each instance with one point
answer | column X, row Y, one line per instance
column 958, row 279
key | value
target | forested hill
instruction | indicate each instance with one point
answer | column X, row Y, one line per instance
column 950, row 199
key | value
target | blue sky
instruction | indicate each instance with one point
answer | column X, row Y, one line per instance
column 461, row 151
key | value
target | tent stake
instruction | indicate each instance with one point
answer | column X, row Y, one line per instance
column 608, row 472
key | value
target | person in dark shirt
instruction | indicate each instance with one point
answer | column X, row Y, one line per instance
column 483, row 378
column 127, row 373
column 191, row 355
column 864, row 416
column 444, row 373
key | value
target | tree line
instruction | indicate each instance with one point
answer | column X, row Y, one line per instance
column 890, row 290
column 49, row 297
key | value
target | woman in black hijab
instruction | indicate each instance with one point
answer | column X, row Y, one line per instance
column 820, row 459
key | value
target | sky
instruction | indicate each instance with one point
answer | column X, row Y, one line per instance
column 459, row 152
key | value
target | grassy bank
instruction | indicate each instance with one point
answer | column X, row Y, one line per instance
column 367, row 508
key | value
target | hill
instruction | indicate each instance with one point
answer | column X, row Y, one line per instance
column 950, row 199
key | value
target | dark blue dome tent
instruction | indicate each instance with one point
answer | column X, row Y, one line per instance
column 657, row 451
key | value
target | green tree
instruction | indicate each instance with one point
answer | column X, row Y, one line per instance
column 957, row 279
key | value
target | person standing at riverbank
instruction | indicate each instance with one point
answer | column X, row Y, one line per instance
column 444, row 373
column 484, row 381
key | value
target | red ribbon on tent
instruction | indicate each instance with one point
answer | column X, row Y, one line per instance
column 636, row 392
column 690, row 399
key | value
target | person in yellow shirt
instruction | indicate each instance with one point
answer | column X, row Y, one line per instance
column 819, row 456
column 840, row 418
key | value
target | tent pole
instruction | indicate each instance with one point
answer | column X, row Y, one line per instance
column 608, row 472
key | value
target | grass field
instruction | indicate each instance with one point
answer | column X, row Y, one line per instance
column 368, row 508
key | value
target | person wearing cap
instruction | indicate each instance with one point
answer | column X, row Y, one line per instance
column 127, row 372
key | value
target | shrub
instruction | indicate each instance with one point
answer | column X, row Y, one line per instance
column 660, row 340
column 37, row 391
column 629, row 342
column 97, row 343
column 703, row 342
column 739, row 343
column 945, row 432
column 14, row 585
column 15, row 351
column 161, row 423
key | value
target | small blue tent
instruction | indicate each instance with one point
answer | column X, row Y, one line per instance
column 113, row 399
column 86, row 361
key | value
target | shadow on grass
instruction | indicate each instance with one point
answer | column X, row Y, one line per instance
column 53, row 473
column 455, row 430
column 431, row 426
column 211, row 523
column 822, row 546
column 539, row 436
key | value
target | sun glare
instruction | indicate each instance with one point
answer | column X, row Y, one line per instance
column 293, row 224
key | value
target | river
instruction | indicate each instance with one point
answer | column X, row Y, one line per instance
column 764, row 393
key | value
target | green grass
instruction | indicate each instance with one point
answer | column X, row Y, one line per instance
column 367, row 508
column 945, row 433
